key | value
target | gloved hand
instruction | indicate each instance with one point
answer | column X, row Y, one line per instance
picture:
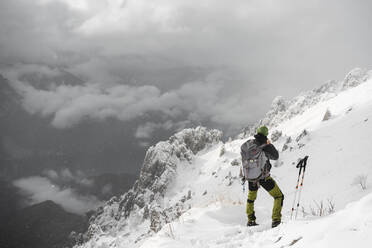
column 242, row 180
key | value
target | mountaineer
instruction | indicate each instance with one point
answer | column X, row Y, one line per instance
column 256, row 154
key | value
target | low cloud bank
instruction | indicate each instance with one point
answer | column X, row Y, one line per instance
column 38, row 189
column 66, row 176
column 197, row 101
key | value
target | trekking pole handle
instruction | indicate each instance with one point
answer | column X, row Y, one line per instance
column 302, row 163
column 305, row 162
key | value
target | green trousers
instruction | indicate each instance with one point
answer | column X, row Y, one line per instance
column 270, row 186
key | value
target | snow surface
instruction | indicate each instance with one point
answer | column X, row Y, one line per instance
column 219, row 225
column 213, row 214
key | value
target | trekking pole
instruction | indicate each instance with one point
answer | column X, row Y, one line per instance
column 302, row 183
column 298, row 181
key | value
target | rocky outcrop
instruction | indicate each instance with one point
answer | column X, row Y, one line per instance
column 144, row 200
column 327, row 115
column 276, row 135
column 356, row 77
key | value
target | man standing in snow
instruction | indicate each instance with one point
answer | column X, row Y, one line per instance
column 256, row 154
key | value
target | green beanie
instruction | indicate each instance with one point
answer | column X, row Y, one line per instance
column 263, row 130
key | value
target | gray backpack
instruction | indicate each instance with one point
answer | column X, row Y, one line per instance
column 254, row 161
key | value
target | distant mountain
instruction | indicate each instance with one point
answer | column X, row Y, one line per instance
column 43, row 225
column 47, row 224
column 10, row 200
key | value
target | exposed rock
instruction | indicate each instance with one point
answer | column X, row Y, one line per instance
column 329, row 86
column 160, row 217
column 285, row 147
column 156, row 220
column 188, row 195
column 248, row 131
column 355, row 77
column 349, row 110
column 286, row 144
column 302, row 135
column 278, row 163
column 230, row 179
column 300, row 145
column 327, row 115
column 235, row 162
column 222, row 151
column 276, row 135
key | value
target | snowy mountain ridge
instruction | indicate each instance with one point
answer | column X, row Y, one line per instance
column 189, row 195
column 143, row 203
column 282, row 109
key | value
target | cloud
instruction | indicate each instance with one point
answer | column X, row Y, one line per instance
column 276, row 48
column 288, row 41
column 146, row 130
column 40, row 189
column 52, row 174
column 127, row 16
column 80, row 5
column 144, row 144
column 66, row 177
column 107, row 189
column 194, row 102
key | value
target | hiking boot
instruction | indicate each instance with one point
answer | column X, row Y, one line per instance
column 252, row 223
column 275, row 223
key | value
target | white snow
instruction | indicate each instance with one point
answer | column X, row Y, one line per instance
column 219, row 225
column 339, row 151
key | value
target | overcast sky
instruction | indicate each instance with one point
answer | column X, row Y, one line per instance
column 260, row 49
column 162, row 65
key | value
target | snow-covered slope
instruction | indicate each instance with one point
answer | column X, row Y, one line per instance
column 189, row 195
column 282, row 109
